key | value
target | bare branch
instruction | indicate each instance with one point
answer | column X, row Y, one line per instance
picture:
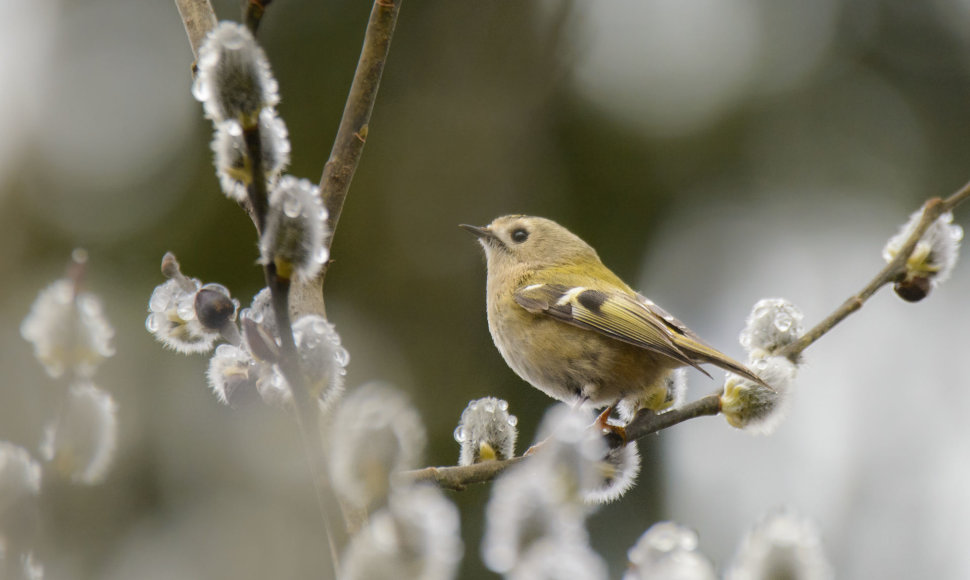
column 647, row 422
column 459, row 477
column 253, row 13
column 893, row 272
column 199, row 18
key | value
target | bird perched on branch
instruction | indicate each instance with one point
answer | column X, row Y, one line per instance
column 572, row 328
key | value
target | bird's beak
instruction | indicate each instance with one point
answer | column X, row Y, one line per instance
column 478, row 232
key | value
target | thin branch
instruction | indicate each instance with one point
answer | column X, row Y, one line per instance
column 199, row 18
column 253, row 13
column 893, row 272
column 305, row 404
column 352, row 134
column 644, row 423
column 647, row 422
column 459, row 477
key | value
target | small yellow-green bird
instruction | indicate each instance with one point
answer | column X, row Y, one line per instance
column 572, row 328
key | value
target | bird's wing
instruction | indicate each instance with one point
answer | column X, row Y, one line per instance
column 614, row 314
column 631, row 318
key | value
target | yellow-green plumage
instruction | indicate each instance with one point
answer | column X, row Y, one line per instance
column 570, row 327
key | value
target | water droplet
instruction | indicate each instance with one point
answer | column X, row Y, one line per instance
column 254, row 315
column 513, row 420
column 234, row 129
column 341, row 356
column 186, row 309
column 503, row 405
column 460, row 434
column 151, row 323
column 234, row 41
column 489, row 406
column 208, row 59
column 291, row 206
column 158, row 302
column 321, row 255
column 783, row 322
column 88, row 305
column 200, row 89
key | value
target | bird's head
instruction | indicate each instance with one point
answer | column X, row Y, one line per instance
column 532, row 242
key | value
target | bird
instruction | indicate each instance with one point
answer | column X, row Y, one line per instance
column 570, row 327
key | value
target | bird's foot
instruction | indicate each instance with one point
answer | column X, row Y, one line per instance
column 615, row 435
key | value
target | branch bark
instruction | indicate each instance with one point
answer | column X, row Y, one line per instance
column 893, row 272
column 199, row 18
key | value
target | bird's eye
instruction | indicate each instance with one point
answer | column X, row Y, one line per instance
column 519, row 235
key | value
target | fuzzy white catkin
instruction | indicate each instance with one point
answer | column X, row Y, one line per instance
column 172, row 320
column 571, row 453
column 618, row 471
column 231, row 157
column 295, row 229
column 543, row 498
column 772, row 324
column 416, row 536
column 668, row 551
column 523, row 510
column 552, row 560
column 261, row 311
column 233, row 80
column 375, row 432
column 322, row 358
column 782, row 545
column 936, row 253
column 756, row 408
column 486, row 425
column 80, row 444
column 19, row 475
column 69, row 331
column 231, row 368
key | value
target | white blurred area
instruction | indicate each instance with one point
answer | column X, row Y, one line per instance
column 94, row 102
column 875, row 446
column 673, row 67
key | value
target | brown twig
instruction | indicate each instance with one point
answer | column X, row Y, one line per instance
column 893, row 272
column 459, row 477
column 355, row 122
column 199, row 18
column 253, row 13
column 644, row 423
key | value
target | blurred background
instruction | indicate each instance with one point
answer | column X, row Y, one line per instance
column 714, row 152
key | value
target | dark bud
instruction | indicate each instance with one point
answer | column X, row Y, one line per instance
column 913, row 289
column 213, row 308
column 170, row 266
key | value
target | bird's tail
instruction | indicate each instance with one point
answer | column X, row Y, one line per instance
column 700, row 352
